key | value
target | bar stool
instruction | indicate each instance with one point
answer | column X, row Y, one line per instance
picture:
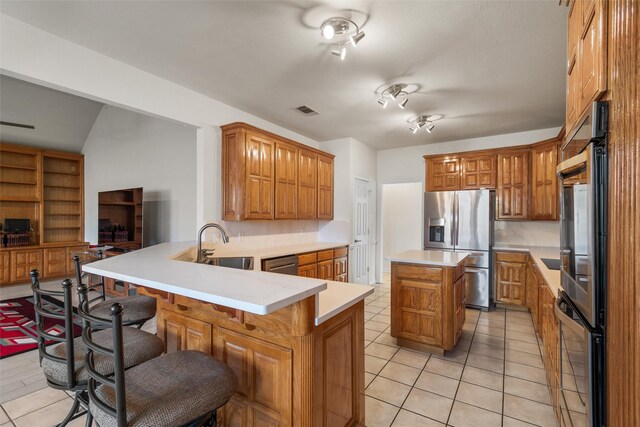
column 63, row 363
column 184, row 388
column 138, row 308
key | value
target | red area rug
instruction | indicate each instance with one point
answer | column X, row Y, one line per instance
column 18, row 326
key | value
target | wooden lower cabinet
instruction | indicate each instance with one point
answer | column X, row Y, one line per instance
column 51, row 261
column 310, row 271
column 329, row 264
column 325, row 270
column 5, row 267
column 290, row 371
column 55, row 262
column 510, row 278
column 341, row 269
column 427, row 305
column 22, row 262
column 533, row 286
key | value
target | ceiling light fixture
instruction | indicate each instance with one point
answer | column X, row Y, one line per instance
column 396, row 92
column 339, row 26
column 422, row 121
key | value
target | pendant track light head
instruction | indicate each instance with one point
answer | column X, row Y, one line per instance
column 340, row 51
column 424, row 121
column 430, row 127
column 355, row 38
column 405, row 99
column 384, row 102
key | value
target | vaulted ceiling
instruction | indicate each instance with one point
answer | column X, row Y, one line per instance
column 488, row 67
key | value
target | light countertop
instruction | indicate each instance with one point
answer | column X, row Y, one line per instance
column 552, row 277
column 430, row 257
column 253, row 291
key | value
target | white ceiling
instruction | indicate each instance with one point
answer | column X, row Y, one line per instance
column 62, row 121
column 488, row 67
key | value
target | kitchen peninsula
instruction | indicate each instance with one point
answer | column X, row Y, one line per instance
column 295, row 344
column 428, row 298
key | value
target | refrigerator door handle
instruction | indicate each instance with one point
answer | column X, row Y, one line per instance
column 456, row 210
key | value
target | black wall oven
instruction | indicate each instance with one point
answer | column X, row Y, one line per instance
column 581, row 305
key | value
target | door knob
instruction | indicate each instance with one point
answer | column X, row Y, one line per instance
column 358, row 241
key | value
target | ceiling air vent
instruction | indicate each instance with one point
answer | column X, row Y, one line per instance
column 307, row 111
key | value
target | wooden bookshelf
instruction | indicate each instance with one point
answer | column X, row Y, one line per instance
column 123, row 208
column 46, row 187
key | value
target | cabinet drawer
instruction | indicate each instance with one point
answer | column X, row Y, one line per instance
column 55, row 262
column 308, row 258
column 325, row 255
column 340, row 252
column 419, row 272
column 512, row 256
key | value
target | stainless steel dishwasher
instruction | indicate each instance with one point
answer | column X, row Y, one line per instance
column 283, row 265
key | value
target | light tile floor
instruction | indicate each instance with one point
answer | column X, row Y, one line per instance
column 494, row 377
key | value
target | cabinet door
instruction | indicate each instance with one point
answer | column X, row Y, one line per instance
column 181, row 332
column 418, row 311
column 478, row 172
column 310, row 270
column 286, row 181
column 532, row 293
column 513, row 185
column 325, row 187
column 22, row 262
column 544, row 185
column 307, row 184
column 55, row 262
column 460, row 302
column 592, row 53
column 510, row 282
column 72, row 250
column 5, row 267
column 442, row 174
column 573, row 65
column 260, row 179
column 340, row 269
column 325, row 270
column 265, row 380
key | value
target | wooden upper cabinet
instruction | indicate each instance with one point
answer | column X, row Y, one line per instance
column 478, row 171
column 544, row 182
column 286, row 181
column 307, row 184
column 325, row 187
column 512, row 192
column 442, row 173
column 260, row 178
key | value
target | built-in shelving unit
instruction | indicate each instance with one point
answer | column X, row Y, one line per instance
column 122, row 208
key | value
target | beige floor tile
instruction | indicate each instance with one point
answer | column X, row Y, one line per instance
column 443, row 367
column 381, row 318
column 437, row 384
column 46, row 416
column 8, row 424
column 378, row 303
column 387, row 339
column 386, row 312
column 487, row 350
column 512, row 422
column 380, row 350
column 411, row 358
column 32, row 402
column 491, row 330
column 522, row 346
column 467, row 326
column 401, row 373
column 428, row 404
column 373, row 365
column 488, row 340
column 463, row 415
column 529, row 411
column 4, row 418
column 375, row 326
column 483, row 377
column 409, row 419
column 378, row 413
column 534, row 360
column 515, row 321
column 366, row 343
column 463, row 344
column 372, row 309
column 457, row 355
column 485, row 362
column 529, row 337
column 525, row 372
column 530, row 390
column 368, row 378
column 516, row 327
column 388, row 391
column 371, row 335
column 368, row 315
column 497, row 323
column 479, row 396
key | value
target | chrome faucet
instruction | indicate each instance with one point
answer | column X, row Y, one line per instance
column 200, row 252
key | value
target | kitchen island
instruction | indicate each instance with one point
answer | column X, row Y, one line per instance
column 428, row 298
column 295, row 344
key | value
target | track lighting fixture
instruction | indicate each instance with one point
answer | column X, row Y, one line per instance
column 347, row 29
column 397, row 93
column 424, row 121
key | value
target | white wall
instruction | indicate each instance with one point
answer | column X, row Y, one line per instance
column 126, row 150
column 401, row 219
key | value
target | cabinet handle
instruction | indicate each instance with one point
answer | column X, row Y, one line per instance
column 182, row 307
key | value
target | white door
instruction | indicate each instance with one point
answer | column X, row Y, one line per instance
column 361, row 232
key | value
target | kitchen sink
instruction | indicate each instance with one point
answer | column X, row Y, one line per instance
column 240, row 262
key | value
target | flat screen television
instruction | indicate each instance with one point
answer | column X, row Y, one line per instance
column 120, row 218
column 13, row 225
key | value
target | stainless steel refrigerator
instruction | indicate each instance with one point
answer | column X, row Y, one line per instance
column 462, row 221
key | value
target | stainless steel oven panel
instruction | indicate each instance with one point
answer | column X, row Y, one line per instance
column 477, row 282
column 576, row 355
column 477, row 259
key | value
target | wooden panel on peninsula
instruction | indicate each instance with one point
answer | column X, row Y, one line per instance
column 427, row 302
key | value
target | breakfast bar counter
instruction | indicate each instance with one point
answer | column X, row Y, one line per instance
column 295, row 344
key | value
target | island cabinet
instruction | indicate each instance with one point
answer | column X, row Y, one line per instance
column 427, row 305
column 290, row 371
column 511, row 277
column 268, row 177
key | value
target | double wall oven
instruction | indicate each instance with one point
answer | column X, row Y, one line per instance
column 581, row 303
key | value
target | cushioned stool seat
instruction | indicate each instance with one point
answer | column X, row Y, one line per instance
column 139, row 346
column 170, row 390
column 136, row 308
